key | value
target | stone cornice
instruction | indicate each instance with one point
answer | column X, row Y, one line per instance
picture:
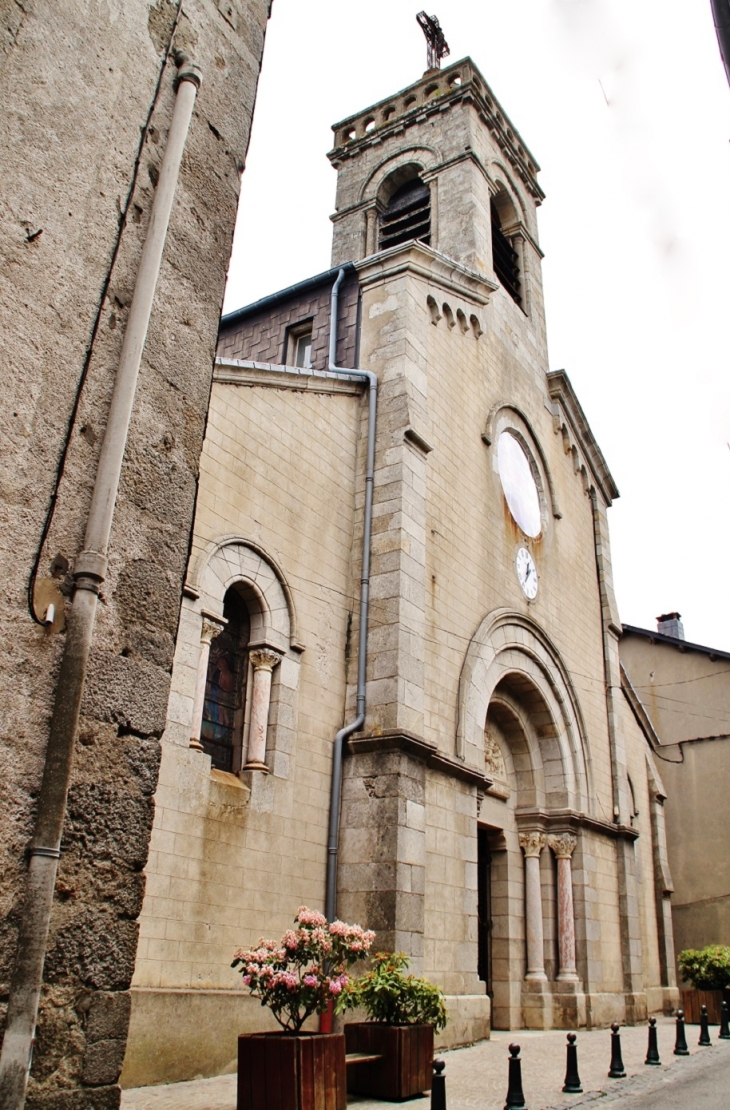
column 564, row 399
column 433, row 267
column 568, row 820
column 638, row 708
column 397, row 740
column 432, row 94
column 232, row 371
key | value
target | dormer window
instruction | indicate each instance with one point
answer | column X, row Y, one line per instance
column 407, row 215
column 505, row 258
column 299, row 346
column 303, row 356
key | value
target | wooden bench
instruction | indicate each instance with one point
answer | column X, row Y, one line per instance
column 361, row 1058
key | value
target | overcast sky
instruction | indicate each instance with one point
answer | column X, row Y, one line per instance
column 625, row 105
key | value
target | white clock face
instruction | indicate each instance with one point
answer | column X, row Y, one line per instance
column 526, row 573
column 518, row 483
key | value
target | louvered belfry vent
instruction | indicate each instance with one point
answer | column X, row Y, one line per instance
column 408, row 215
column 505, row 259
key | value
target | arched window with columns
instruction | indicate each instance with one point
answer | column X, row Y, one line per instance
column 221, row 727
column 237, row 660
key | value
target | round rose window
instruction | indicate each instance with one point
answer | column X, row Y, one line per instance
column 518, row 483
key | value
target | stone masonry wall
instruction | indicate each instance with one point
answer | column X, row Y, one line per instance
column 232, row 860
column 88, row 95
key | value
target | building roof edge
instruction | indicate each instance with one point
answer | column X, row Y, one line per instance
column 673, row 641
column 284, row 294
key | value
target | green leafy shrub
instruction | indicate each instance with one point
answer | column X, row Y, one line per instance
column 707, row 969
column 394, row 998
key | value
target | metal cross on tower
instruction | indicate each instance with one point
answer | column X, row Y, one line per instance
column 438, row 47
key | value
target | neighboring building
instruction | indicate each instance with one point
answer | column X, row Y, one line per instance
column 88, row 92
column 681, row 693
column 501, row 815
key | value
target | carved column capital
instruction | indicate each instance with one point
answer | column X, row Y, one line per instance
column 562, row 844
column 532, row 843
column 264, row 659
column 209, row 629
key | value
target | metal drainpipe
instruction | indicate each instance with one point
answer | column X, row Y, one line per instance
column 344, row 373
column 89, row 573
column 342, row 735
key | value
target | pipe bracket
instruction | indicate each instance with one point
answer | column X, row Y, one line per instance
column 90, row 564
column 187, row 71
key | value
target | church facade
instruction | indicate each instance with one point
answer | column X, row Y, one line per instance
column 386, row 444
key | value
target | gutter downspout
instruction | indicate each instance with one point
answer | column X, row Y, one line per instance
column 89, row 572
column 344, row 373
column 336, row 781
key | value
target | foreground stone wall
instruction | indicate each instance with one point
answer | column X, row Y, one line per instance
column 88, row 97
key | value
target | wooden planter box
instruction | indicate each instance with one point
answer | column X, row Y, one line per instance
column 405, row 1068
column 280, row 1071
column 692, row 1000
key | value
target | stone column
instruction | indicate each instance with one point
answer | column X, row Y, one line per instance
column 518, row 244
column 371, row 231
column 209, row 630
column 532, row 843
column 563, row 845
column 263, row 661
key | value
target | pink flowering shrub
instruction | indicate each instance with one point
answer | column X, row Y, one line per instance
column 297, row 976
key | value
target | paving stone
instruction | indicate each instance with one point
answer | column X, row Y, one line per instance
column 476, row 1077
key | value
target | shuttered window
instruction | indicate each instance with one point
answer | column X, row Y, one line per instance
column 408, row 215
column 505, row 259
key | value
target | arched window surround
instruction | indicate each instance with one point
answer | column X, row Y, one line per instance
column 508, row 213
column 505, row 417
column 235, row 561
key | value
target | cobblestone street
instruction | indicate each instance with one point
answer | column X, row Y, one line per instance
column 477, row 1076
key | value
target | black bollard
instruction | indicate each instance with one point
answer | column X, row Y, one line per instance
column 705, row 1039
column 680, row 1044
column 652, row 1054
column 438, row 1086
column 515, row 1097
column 724, row 1034
column 617, row 1070
column 572, row 1079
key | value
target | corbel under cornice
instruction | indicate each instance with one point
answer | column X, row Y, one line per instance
column 564, row 398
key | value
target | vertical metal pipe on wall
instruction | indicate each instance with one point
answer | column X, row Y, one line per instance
column 362, row 659
column 89, row 573
column 368, row 378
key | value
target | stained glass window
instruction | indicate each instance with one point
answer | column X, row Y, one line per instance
column 225, row 688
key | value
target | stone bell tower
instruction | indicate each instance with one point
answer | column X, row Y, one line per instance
column 441, row 162
column 475, row 760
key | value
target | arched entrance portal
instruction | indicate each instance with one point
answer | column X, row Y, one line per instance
column 519, row 712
